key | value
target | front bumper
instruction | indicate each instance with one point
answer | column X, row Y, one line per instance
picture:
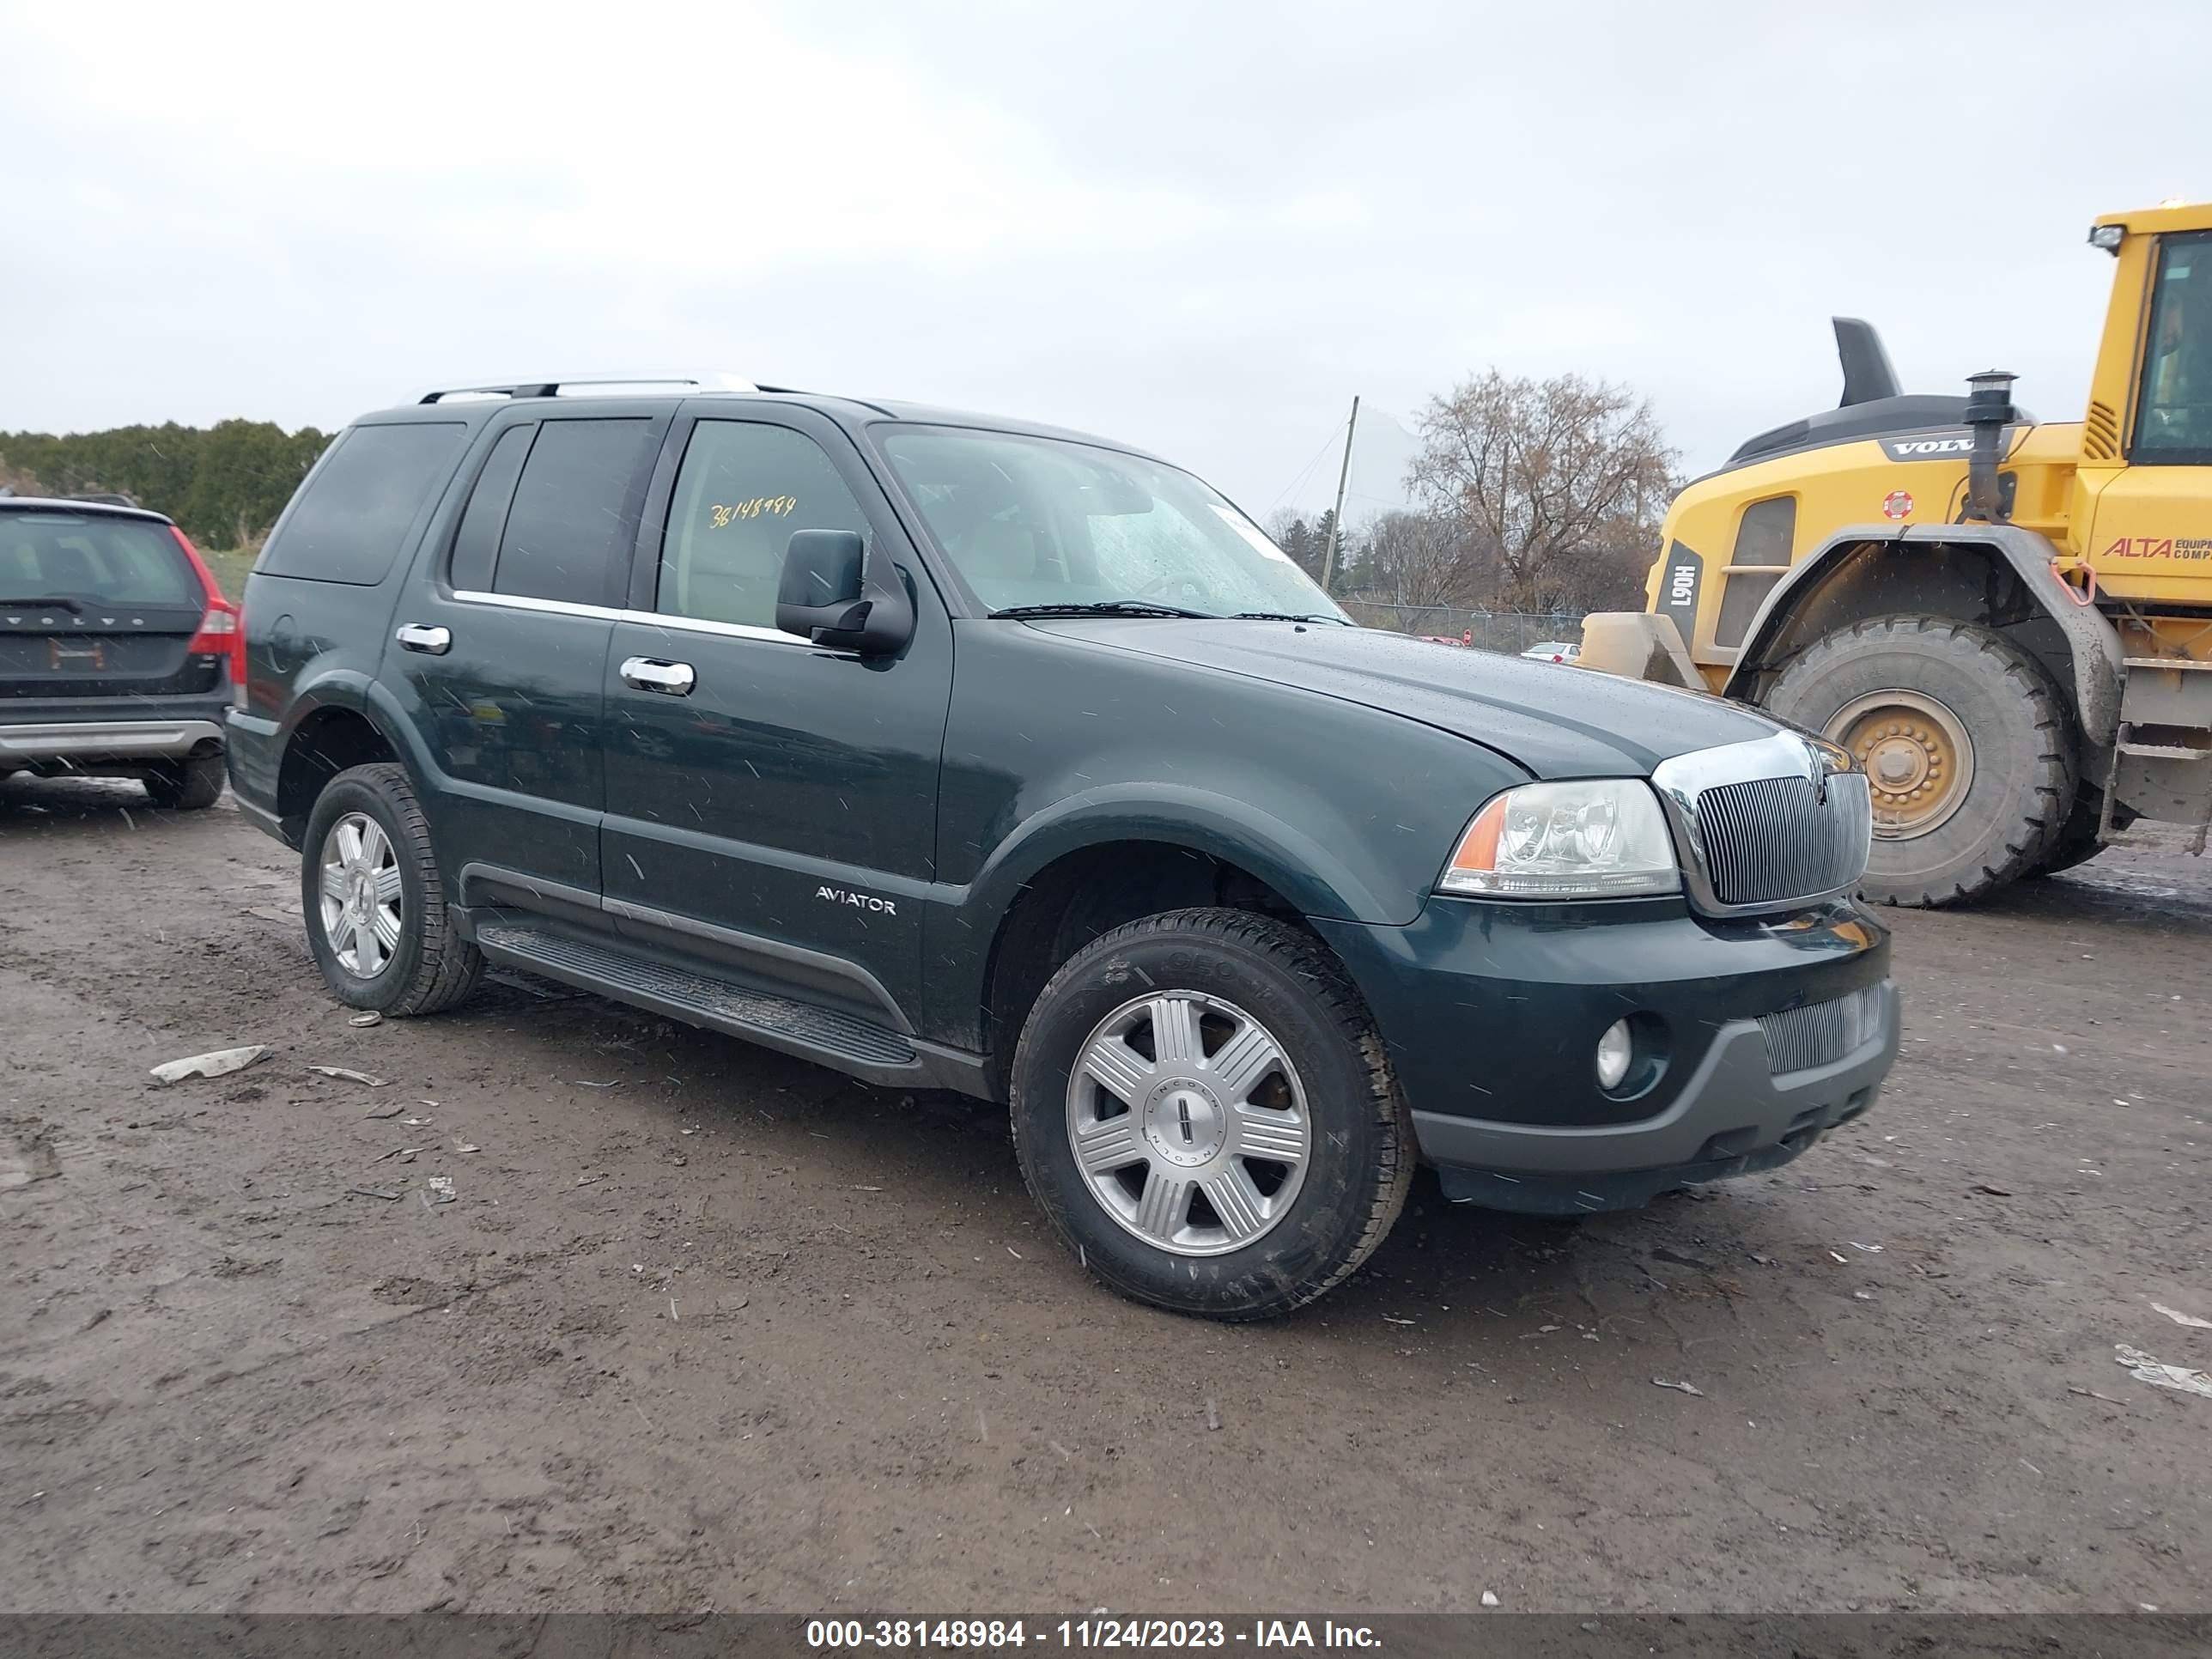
column 1735, row 1116
column 86, row 744
column 1492, row 1014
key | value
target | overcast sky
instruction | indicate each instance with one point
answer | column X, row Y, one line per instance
column 1198, row 227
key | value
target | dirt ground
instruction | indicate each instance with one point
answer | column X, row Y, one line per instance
column 708, row 1327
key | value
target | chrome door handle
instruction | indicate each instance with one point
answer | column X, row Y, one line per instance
column 431, row 642
column 670, row 679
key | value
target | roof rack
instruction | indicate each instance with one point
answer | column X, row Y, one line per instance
column 599, row 387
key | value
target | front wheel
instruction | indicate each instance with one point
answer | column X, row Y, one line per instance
column 1206, row 1115
column 1964, row 742
column 374, row 901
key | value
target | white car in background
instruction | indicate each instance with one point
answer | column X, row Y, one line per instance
column 1553, row 650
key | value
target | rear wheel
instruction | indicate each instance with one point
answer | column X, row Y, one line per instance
column 1964, row 739
column 186, row 786
column 1206, row 1113
column 374, row 901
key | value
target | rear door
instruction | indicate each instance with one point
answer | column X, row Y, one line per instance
column 499, row 645
column 97, row 615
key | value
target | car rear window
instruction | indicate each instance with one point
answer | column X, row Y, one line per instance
column 356, row 509
column 83, row 556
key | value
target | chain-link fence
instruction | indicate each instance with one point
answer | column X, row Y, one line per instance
column 1486, row 630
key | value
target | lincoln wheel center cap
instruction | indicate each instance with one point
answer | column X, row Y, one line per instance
column 1184, row 1123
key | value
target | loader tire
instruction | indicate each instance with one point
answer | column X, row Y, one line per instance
column 2077, row 842
column 1966, row 743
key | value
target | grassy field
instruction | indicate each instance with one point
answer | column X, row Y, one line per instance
column 230, row 569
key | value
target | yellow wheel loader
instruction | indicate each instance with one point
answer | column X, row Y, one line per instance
column 2007, row 622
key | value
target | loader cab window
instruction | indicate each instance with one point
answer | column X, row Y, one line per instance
column 2174, row 427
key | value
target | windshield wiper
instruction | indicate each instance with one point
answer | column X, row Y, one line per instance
column 52, row 602
column 1288, row 616
column 1104, row 608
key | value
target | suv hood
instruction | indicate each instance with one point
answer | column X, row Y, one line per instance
column 1556, row 720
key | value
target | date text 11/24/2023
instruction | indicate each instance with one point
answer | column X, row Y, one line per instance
column 1098, row 1632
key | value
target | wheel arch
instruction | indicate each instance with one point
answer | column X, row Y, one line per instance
column 1999, row 576
column 333, row 734
column 342, row 708
column 1088, row 890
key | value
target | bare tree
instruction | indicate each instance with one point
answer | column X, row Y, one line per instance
column 1556, row 478
column 1416, row 558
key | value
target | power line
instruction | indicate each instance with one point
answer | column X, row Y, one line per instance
column 1327, row 444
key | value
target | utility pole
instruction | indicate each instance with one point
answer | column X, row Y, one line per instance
column 1336, row 519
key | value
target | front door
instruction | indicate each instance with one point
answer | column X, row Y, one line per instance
column 772, row 803
column 501, row 642
column 2151, row 535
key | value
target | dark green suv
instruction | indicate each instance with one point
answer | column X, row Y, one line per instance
column 957, row 751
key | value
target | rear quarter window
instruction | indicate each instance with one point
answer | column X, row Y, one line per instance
column 354, row 512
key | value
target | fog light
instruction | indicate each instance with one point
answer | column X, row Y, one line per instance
column 1615, row 1049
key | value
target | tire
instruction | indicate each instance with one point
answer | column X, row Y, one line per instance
column 416, row 963
column 2069, row 854
column 193, row 785
column 1997, row 809
column 2077, row 842
column 1284, row 1231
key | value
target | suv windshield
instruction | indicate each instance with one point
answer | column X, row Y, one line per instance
column 1047, row 522
column 91, row 557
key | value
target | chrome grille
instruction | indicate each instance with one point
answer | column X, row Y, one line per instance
column 1769, row 839
column 1822, row 1033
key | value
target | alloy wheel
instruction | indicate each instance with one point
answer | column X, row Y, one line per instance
column 360, row 895
column 1189, row 1123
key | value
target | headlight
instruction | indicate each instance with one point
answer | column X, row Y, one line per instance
column 1601, row 838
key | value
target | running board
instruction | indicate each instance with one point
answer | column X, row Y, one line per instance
column 856, row 1046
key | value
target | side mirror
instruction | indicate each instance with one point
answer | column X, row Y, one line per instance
column 838, row 592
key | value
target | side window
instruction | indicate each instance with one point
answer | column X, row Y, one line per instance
column 2175, row 425
column 475, row 544
column 743, row 489
column 1763, row 540
column 352, row 513
column 572, row 518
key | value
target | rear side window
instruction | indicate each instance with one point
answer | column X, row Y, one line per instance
column 353, row 513
column 475, row 544
column 574, row 515
column 743, row 489
column 69, row 556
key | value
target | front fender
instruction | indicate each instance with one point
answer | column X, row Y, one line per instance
column 1316, row 880
column 2093, row 645
column 964, row 934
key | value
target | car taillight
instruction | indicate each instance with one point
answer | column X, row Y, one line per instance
column 221, row 630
